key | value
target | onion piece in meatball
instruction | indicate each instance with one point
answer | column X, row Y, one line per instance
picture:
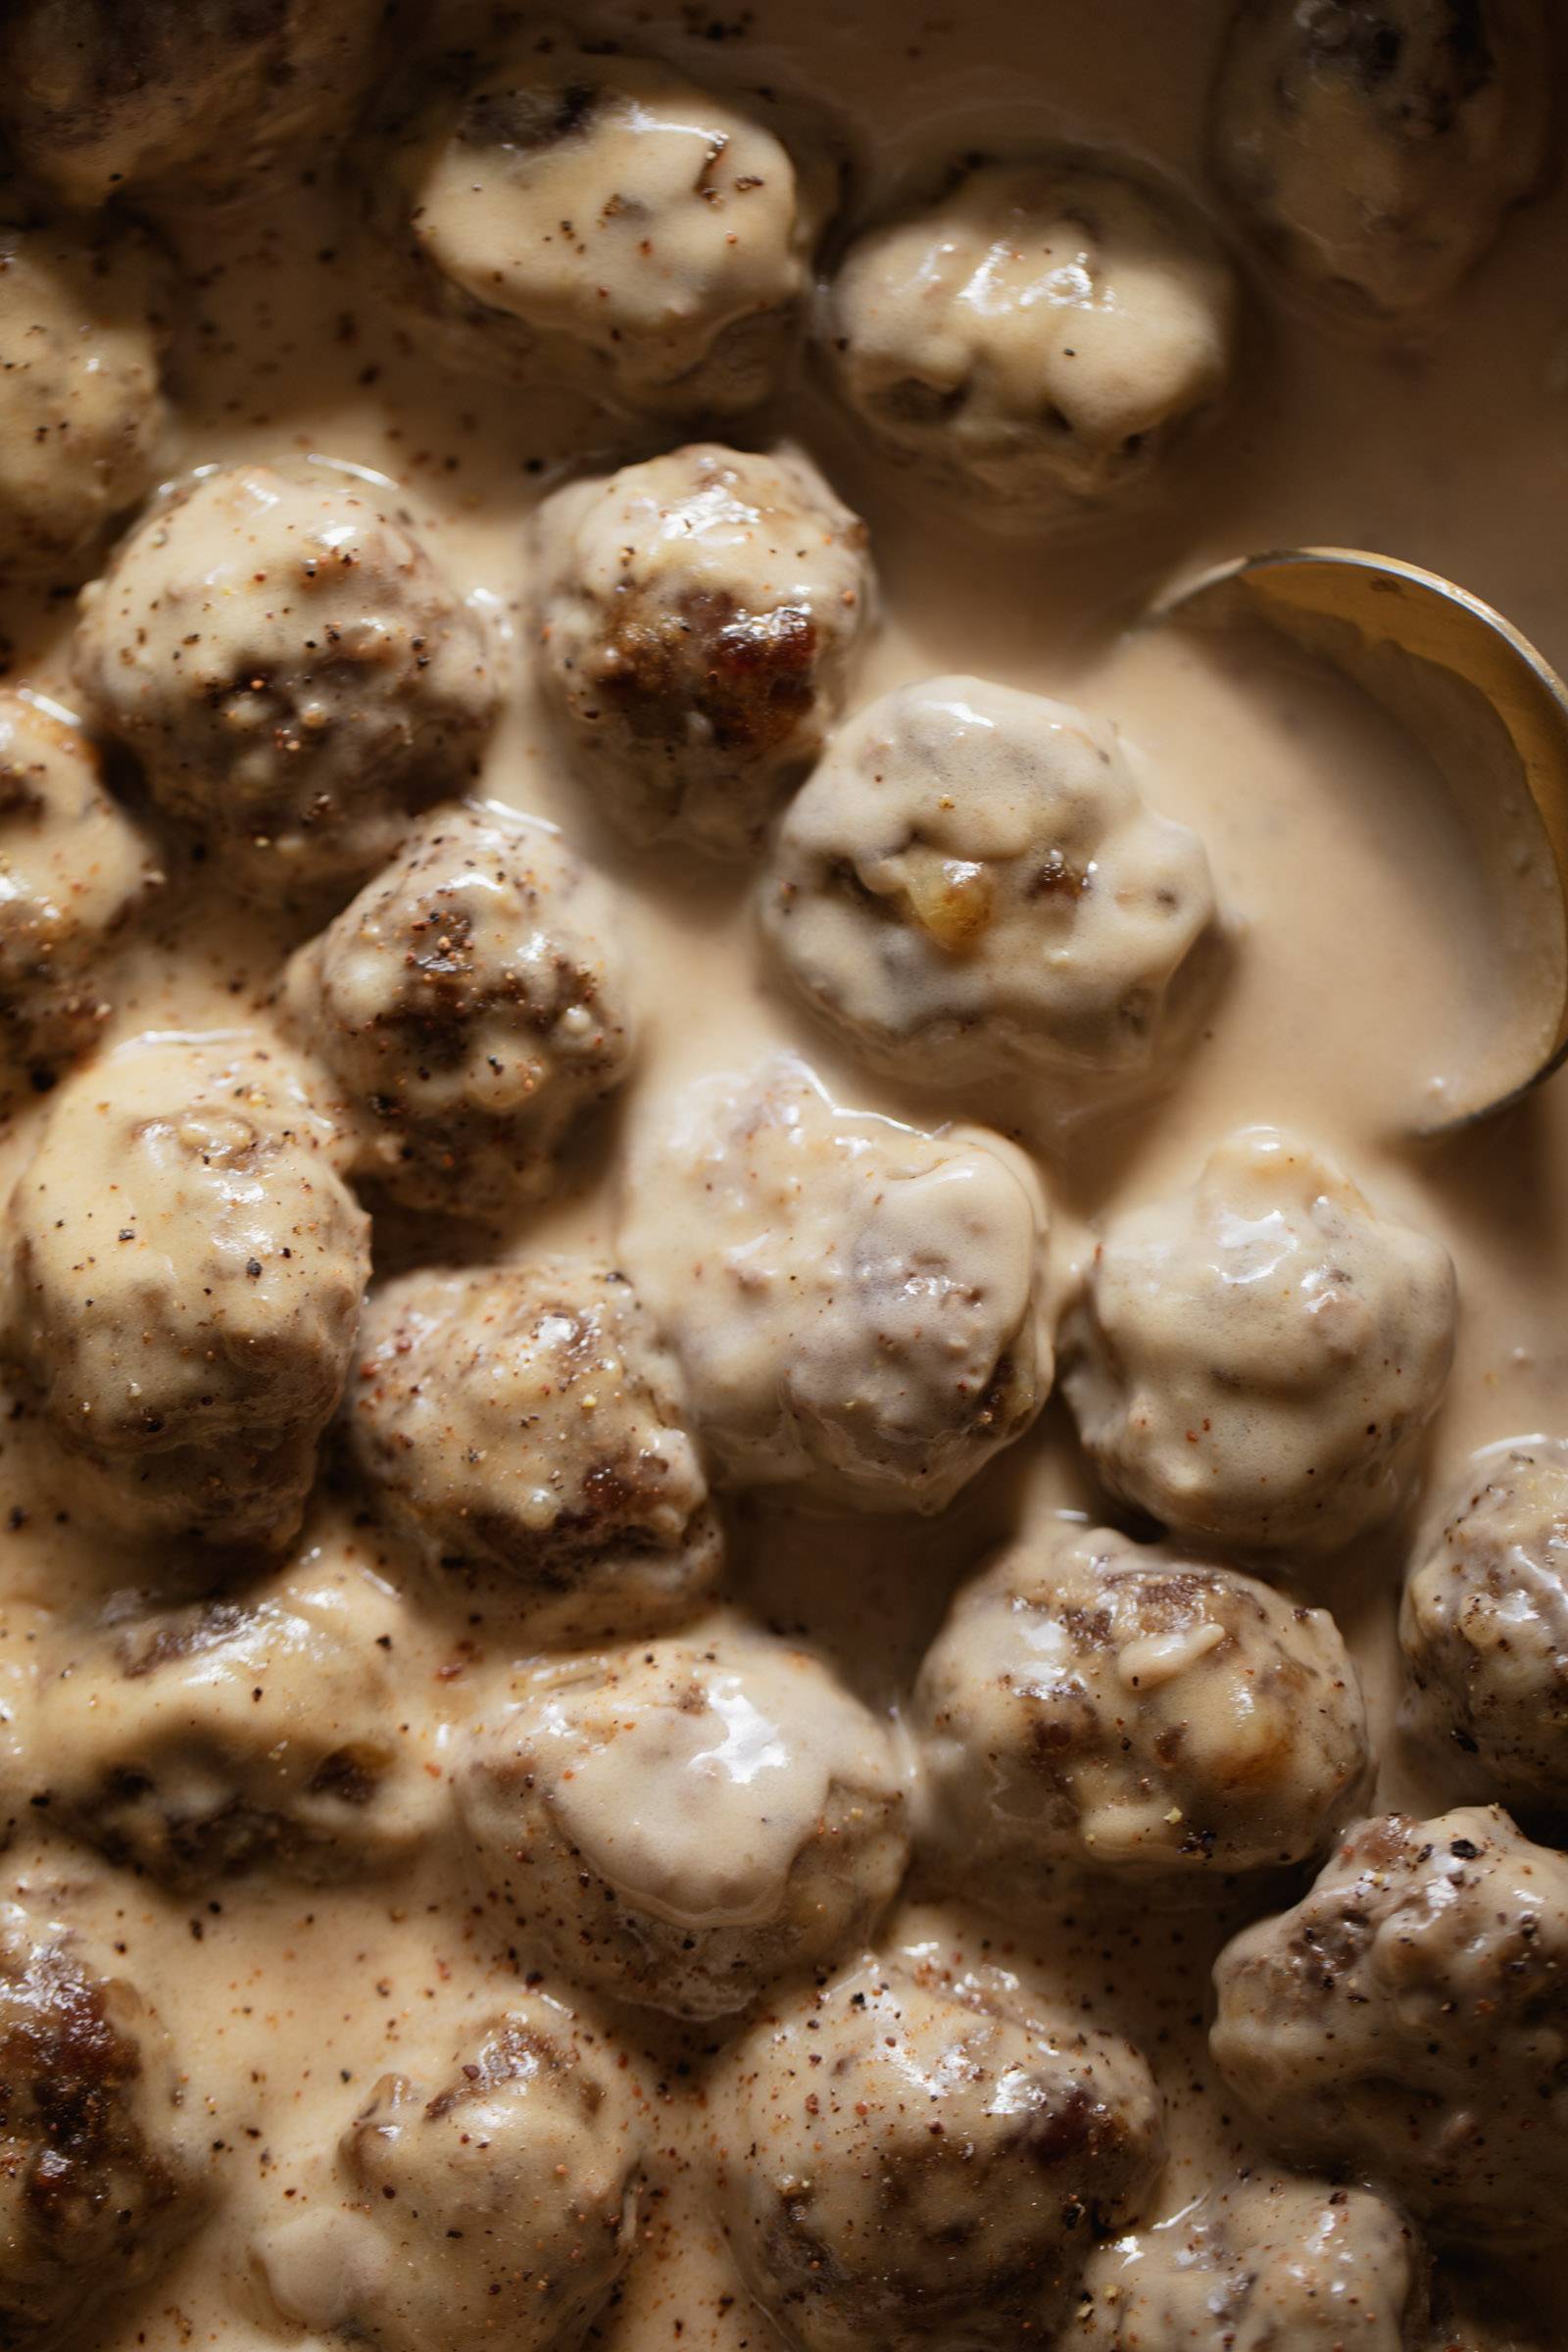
column 1375, row 146
column 84, row 320
column 970, row 882
column 290, row 667
column 1098, row 1708
column 1409, row 2019
column 73, row 869
column 1035, row 340
column 527, row 1419
column 265, row 1727
column 697, row 618
column 182, row 1286
column 1255, row 1361
column 1286, row 2266
column 489, row 2199
column 1484, row 1624
column 98, row 2179
column 679, row 1823
column 470, row 1005
column 858, row 1305
column 595, row 217
column 903, row 2167
column 180, row 102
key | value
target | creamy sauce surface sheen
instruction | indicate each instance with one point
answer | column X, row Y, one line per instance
column 1360, row 972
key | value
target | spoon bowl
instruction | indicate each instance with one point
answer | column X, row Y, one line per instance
column 1490, row 713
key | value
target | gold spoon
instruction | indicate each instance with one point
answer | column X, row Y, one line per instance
column 1491, row 715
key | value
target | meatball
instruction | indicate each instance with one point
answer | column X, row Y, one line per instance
column 1374, row 146
column 1484, row 1625
column 496, row 2203
column 189, row 99
column 858, row 1305
column 1036, row 339
column 72, row 871
column 595, row 217
column 182, row 1286
column 901, row 2166
column 97, row 2175
column 1292, row 2266
column 470, row 1004
column 82, row 413
column 263, row 1728
column 696, row 615
column 972, row 882
column 289, row 667
column 1102, row 1706
column 1255, row 1361
column 527, row 1419
column 1409, row 2017
column 681, row 1823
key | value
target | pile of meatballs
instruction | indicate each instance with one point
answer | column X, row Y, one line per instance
column 660, row 1803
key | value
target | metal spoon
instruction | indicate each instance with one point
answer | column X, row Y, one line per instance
column 1490, row 713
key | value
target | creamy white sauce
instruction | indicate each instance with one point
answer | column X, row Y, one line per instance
column 1361, row 968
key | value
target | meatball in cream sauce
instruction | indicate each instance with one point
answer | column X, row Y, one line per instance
column 857, row 1305
column 682, row 1822
column 697, row 618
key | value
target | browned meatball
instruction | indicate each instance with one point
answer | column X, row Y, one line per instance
column 183, row 1285
column 1376, row 145
column 1037, row 339
column 1286, row 2266
column 187, row 100
column 527, row 1419
column 690, row 227
column 83, row 320
column 290, row 667
column 269, row 1726
column 1409, row 2019
column 487, row 2202
column 1122, row 1710
column 97, row 2178
column 697, row 618
column 472, row 1003
column 682, row 1822
column 72, row 871
column 903, row 2167
column 1484, row 1624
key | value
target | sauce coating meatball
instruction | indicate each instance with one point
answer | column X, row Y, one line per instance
column 182, row 1286
column 527, row 1419
column 289, row 667
column 1036, row 339
column 599, row 216
column 696, row 615
column 261, row 1729
column 81, row 409
column 185, row 99
column 471, row 1003
column 1484, row 1624
column 1102, row 1706
column 72, row 871
column 493, row 2201
column 680, row 1823
column 1409, row 2017
column 971, row 880
column 1374, row 146
column 902, row 2166
column 858, row 1305
column 1292, row 2266
column 1255, row 1361
column 97, row 2178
